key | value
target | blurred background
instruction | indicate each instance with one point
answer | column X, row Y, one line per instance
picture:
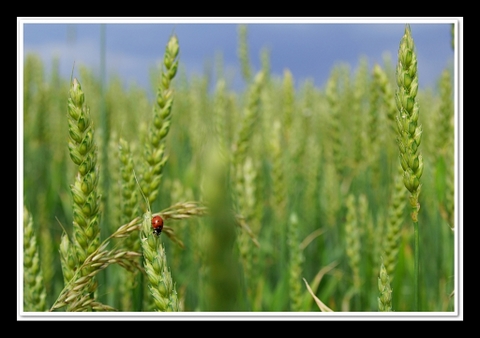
column 308, row 48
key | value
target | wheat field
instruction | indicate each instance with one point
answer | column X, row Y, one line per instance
column 283, row 197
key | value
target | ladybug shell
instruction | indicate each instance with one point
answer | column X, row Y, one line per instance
column 157, row 225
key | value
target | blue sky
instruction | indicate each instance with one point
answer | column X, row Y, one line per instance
column 309, row 48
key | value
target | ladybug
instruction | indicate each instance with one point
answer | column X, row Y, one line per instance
column 157, row 225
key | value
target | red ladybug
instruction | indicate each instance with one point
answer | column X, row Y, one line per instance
column 157, row 225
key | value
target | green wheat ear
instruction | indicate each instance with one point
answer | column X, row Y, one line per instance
column 295, row 264
column 444, row 147
column 34, row 292
column 68, row 258
column 155, row 157
column 409, row 131
column 353, row 247
column 385, row 298
column 243, row 53
column 129, row 208
column 86, row 198
column 390, row 245
column 160, row 283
